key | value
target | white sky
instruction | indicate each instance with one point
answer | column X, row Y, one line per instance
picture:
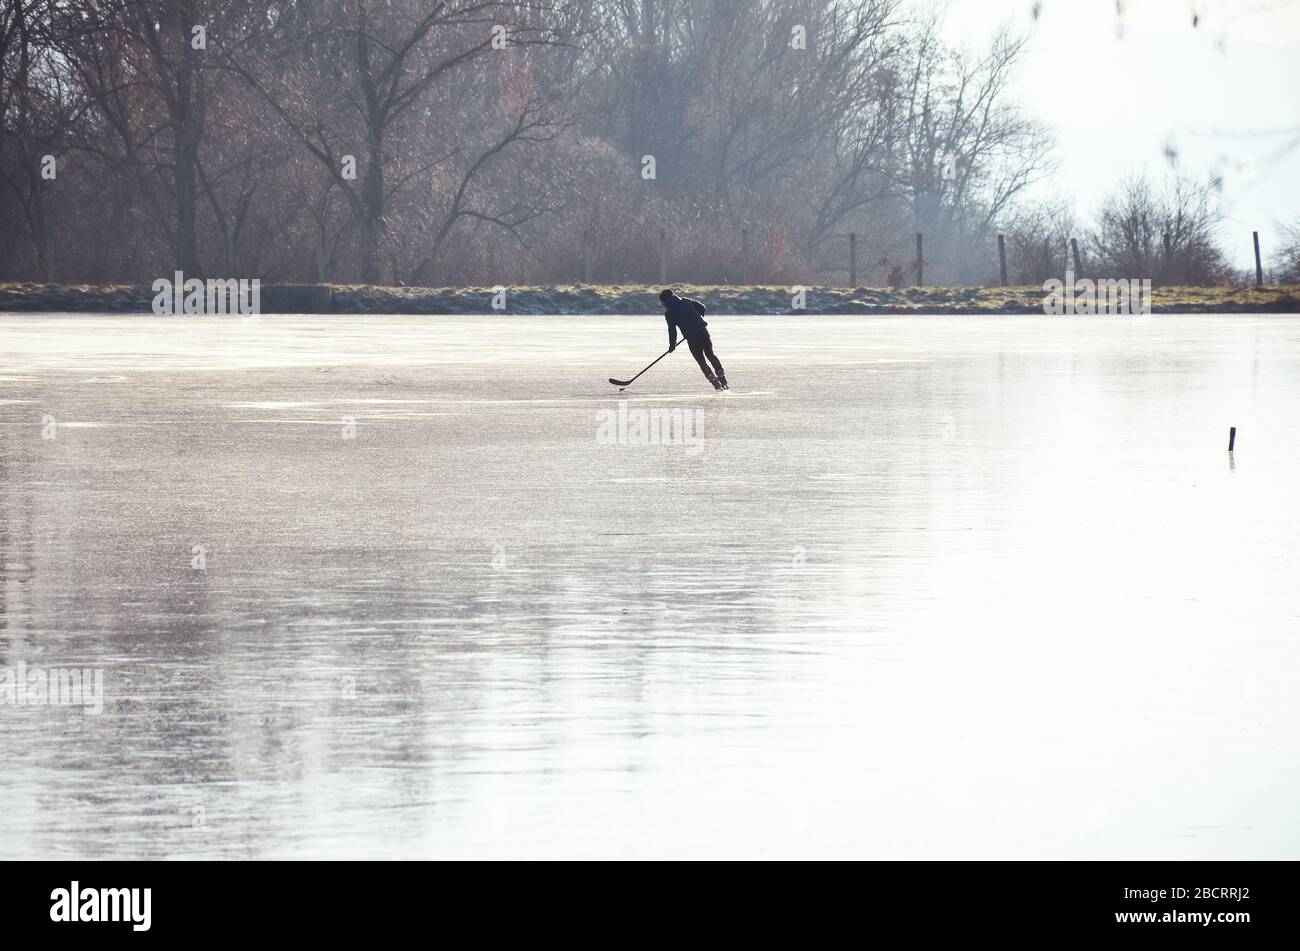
column 1116, row 98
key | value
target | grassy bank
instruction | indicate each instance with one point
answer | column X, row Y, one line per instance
column 641, row 299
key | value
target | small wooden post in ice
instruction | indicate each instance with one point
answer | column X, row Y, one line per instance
column 1259, row 268
column 1232, row 437
column 1002, row 259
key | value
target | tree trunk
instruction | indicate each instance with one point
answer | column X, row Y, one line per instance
column 187, row 131
column 372, row 222
column 187, row 252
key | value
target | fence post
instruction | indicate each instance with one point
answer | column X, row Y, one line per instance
column 920, row 263
column 663, row 256
column 1002, row 259
column 1259, row 268
column 1074, row 251
column 853, row 259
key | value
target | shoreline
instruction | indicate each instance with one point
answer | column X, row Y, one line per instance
column 641, row 299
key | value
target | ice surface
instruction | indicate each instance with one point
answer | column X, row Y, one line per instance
column 931, row 587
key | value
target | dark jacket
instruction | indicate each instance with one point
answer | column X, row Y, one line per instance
column 684, row 314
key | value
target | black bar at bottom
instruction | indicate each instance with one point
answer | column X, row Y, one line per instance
column 1226, row 902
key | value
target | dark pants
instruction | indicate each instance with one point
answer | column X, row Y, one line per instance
column 701, row 345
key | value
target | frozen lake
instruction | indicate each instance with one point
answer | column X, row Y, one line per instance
column 916, row 588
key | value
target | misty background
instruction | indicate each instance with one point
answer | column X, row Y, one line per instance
column 476, row 142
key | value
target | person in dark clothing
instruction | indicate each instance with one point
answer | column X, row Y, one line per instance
column 687, row 315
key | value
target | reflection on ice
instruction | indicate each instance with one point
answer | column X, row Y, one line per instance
column 927, row 587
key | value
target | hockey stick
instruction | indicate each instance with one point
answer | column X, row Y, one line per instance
column 624, row 384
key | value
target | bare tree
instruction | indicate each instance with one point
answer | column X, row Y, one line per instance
column 1165, row 233
column 1038, row 236
column 968, row 149
column 375, row 64
column 38, row 116
column 455, row 140
column 1287, row 258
